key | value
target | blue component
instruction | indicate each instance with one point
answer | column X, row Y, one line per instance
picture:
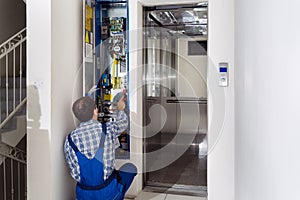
column 112, row 1
column 97, row 26
column 223, row 69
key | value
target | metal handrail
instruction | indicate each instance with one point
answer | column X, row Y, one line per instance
column 11, row 46
column 12, row 152
column 13, row 113
column 12, row 40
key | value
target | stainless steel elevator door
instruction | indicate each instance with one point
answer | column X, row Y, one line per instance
column 175, row 110
column 172, row 152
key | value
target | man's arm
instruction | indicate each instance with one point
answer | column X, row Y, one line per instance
column 122, row 121
column 71, row 160
column 120, row 124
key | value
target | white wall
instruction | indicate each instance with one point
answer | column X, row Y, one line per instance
column 38, row 104
column 66, row 86
column 54, row 58
column 267, row 100
column 220, row 101
column 135, row 95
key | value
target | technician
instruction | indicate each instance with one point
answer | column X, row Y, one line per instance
column 90, row 154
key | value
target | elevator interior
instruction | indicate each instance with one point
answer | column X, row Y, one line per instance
column 175, row 98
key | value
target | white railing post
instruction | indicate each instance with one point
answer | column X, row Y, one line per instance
column 4, row 178
column 25, row 172
column 19, row 182
column 14, row 80
column 20, row 86
column 12, row 178
column 0, row 101
column 6, row 84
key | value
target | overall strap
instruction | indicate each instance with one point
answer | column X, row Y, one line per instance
column 72, row 144
column 103, row 185
column 104, row 129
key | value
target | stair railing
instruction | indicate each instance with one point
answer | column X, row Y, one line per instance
column 12, row 55
column 12, row 100
column 14, row 172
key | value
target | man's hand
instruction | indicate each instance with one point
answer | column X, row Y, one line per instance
column 121, row 104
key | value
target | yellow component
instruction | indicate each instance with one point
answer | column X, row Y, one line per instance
column 113, row 72
column 115, row 83
column 107, row 97
column 118, row 83
column 117, row 62
column 87, row 38
column 88, row 12
column 88, row 24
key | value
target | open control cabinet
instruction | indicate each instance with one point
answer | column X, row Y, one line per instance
column 105, row 61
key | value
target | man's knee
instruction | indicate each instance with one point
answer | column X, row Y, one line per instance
column 129, row 168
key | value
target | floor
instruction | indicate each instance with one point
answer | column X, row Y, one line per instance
column 189, row 169
column 160, row 196
column 185, row 176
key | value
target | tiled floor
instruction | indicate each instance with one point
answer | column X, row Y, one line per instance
column 159, row 196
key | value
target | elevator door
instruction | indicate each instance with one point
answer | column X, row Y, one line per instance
column 175, row 131
column 175, row 98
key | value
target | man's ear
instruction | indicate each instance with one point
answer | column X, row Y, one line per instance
column 95, row 114
column 95, row 111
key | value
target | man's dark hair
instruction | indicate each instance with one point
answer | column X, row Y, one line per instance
column 83, row 109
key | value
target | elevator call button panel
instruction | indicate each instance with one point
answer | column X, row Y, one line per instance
column 223, row 74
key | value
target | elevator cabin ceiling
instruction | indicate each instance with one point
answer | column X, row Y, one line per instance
column 180, row 20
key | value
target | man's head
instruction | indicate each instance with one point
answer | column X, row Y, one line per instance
column 83, row 109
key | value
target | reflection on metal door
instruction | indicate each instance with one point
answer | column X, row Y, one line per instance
column 175, row 99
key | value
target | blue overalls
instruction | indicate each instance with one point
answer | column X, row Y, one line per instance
column 92, row 185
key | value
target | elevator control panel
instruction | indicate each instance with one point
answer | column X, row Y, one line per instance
column 223, row 74
column 106, row 68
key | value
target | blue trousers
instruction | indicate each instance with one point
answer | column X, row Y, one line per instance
column 127, row 172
